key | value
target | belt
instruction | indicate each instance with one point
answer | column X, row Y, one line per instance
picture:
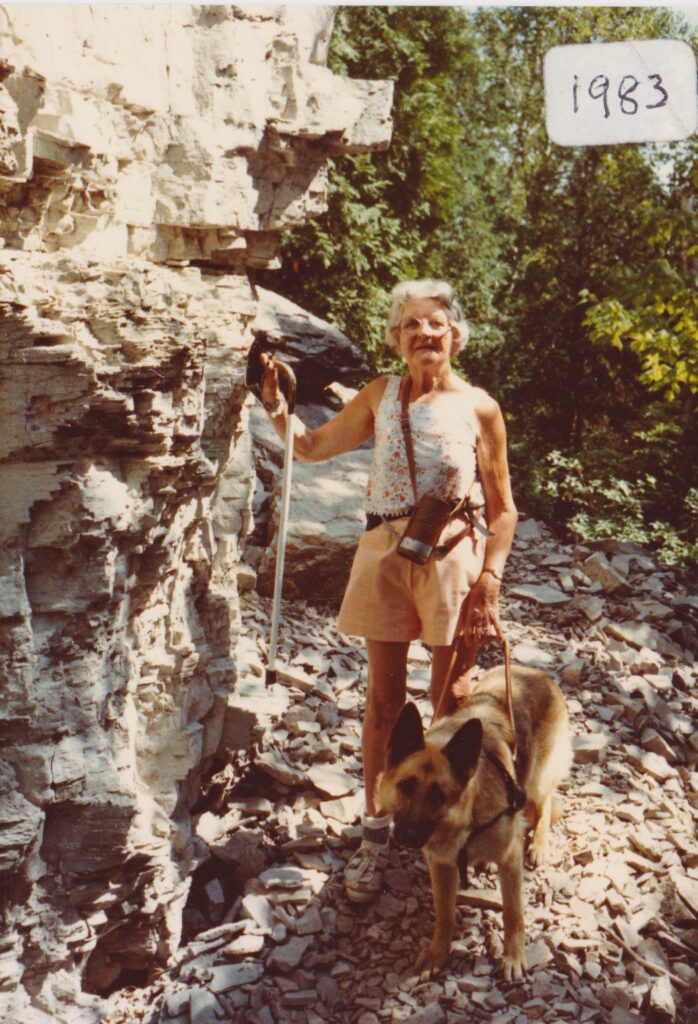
column 463, row 509
column 373, row 519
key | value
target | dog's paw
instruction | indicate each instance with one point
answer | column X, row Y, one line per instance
column 430, row 961
column 538, row 851
column 539, row 847
column 513, row 966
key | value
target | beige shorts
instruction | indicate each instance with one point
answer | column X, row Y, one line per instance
column 388, row 597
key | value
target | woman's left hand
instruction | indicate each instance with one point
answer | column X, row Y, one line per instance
column 481, row 621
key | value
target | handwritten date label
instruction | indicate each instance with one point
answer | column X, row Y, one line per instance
column 606, row 93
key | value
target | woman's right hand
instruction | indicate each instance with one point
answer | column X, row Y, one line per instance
column 271, row 392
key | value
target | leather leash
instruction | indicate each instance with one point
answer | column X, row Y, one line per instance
column 458, row 641
column 516, row 794
column 465, row 506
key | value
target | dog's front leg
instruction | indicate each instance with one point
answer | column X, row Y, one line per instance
column 538, row 850
column 444, row 886
column 511, row 882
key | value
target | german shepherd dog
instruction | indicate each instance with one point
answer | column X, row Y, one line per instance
column 456, row 794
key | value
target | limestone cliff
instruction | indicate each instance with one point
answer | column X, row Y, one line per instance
column 149, row 159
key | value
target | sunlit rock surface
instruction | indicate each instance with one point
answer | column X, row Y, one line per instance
column 149, row 159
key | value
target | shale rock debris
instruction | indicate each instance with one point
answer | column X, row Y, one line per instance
column 611, row 920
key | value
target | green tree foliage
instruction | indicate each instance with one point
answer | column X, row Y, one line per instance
column 394, row 214
column 576, row 266
column 652, row 314
column 598, row 247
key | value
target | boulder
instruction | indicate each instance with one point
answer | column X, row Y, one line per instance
column 325, row 523
column 318, row 353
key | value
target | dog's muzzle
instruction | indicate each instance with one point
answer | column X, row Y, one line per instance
column 412, row 834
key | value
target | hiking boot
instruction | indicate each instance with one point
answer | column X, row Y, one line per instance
column 363, row 875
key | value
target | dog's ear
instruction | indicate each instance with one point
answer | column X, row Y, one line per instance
column 407, row 736
column 463, row 749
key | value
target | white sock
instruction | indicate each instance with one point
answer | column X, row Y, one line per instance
column 376, row 830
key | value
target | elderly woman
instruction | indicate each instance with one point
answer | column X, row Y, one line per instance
column 456, row 432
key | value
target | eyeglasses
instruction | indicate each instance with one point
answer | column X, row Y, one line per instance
column 435, row 325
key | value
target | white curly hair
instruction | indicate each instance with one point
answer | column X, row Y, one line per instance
column 427, row 288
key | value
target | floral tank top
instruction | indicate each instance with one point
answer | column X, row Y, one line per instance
column 444, row 438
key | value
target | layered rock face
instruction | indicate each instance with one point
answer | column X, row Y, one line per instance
column 149, row 159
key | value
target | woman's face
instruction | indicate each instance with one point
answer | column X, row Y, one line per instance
column 424, row 335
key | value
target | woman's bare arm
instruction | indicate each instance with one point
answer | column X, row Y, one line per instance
column 347, row 430
column 493, row 469
column 481, row 623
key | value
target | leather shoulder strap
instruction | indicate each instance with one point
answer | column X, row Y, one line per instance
column 407, row 432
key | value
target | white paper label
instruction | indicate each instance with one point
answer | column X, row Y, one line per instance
column 606, row 93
